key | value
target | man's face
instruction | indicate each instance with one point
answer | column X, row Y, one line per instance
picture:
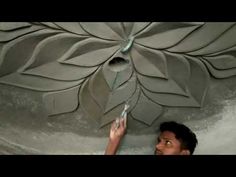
column 167, row 144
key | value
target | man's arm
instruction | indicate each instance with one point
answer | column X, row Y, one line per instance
column 116, row 135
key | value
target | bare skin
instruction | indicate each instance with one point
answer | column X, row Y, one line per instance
column 167, row 144
column 116, row 135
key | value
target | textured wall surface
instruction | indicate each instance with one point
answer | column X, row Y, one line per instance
column 62, row 84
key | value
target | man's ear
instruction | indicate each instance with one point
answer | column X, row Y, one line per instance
column 185, row 152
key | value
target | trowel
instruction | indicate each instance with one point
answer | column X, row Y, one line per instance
column 123, row 115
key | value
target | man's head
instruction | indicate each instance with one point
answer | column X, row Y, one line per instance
column 175, row 139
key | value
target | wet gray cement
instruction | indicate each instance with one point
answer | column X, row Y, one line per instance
column 25, row 128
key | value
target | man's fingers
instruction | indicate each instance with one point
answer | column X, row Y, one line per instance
column 114, row 125
column 125, row 122
column 119, row 123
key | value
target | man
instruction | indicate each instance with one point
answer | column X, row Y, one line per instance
column 174, row 139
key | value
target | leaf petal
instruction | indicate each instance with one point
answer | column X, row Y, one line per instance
column 121, row 94
column 73, row 27
column 106, row 98
column 201, row 37
column 134, row 99
column 103, row 30
column 90, row 52
column 133, row 28
column 93, row 58
column 178, row 70
column 146, row 110
column 101, row 104
column 138, row 27
column 197, row 85
column 220, row 74
column 112, row 115
column 224, row 60
column 1, row 46
column 164, row 35
column 61, row 72
column 50, row 25
column 116, row 111
column 161, row 85
column 223, row 42
column 128, row 26
column 37, row 83
column 171, row 99
column 99, row 89
column 88, row 104
column 10, row 26
column 149, row 62
column 6, row 36
column 55, row 102
column 118, row 28
column 199, row 81
column 50, row 49
column 17, row 52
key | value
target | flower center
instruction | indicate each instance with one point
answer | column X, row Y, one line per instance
column 127, row 44
column 118, row 64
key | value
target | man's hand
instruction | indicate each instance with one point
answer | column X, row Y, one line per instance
column 118, row 131
column 116, row 134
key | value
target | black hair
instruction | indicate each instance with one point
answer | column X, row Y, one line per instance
column 187, row 138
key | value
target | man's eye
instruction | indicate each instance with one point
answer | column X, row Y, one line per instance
column 168, row 143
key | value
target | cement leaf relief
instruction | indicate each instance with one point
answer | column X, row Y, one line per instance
column 105, row 98
column 13, row 26
column 15, row 54
column 143, row 106
column 164, row 35
column 90, row 52
column 117, row 71
column 149, row 62
column 99, row 66
column 107, row 31
column 50, row 49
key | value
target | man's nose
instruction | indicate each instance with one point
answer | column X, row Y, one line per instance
column 159, row 146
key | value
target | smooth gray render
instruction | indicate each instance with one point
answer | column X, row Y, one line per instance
column 63, row 83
